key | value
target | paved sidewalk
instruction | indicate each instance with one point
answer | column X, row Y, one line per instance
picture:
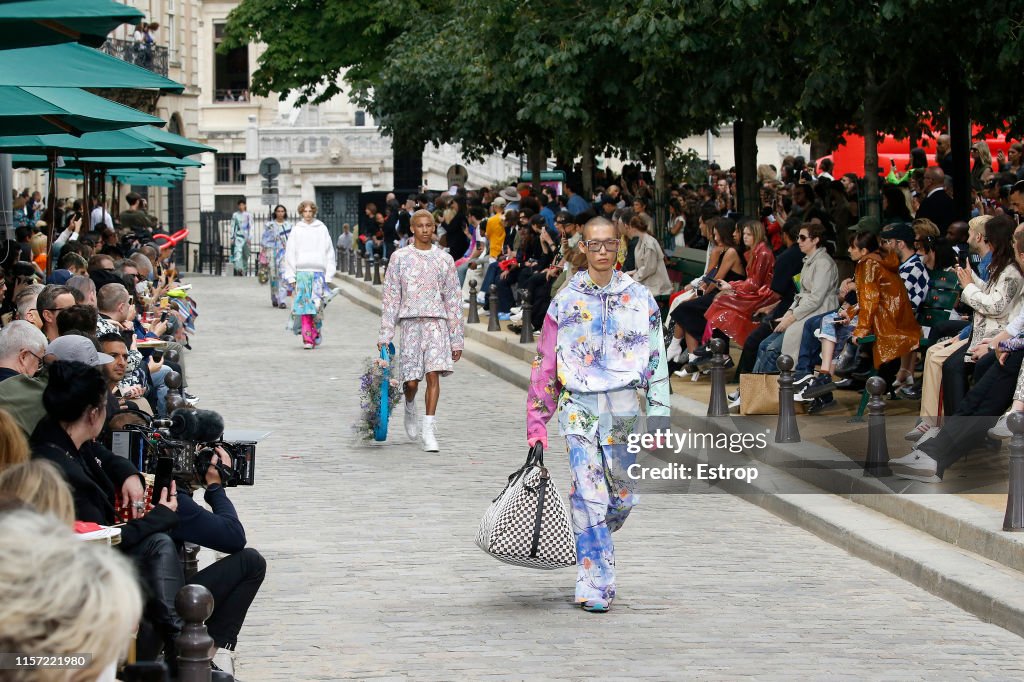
column 373, row 572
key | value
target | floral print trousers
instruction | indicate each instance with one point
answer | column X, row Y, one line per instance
column 601, row 497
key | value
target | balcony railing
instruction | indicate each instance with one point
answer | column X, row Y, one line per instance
column 146, row 55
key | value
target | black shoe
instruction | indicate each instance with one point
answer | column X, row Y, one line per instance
column 819, row 386
column 864, row 370
column 847, row 360
column 821, row 403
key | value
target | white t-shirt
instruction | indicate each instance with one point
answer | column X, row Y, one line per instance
column 100, row 215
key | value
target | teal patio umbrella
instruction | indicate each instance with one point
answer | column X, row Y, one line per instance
column 31, row 23
column 104, row 143
column 76, row 66
column 175, row 144
column 43, row 111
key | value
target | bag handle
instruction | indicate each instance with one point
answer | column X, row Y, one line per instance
column 535, row 458
column 387, row 352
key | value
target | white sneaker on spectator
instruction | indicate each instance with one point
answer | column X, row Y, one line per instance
column 410, row 419
column 929, row 434
column 516, row 309
column 224, row 659
column 919, row 430
column 1001, row 431
column 917, row 466
column 480, row 298
column 516, row 317
column 429, row 441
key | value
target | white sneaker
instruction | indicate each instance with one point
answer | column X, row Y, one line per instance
column 331, row 293
column 929, row 434
column 515, row 317
column 734, row 399
column 917, row 466
column 307, row 346
column 224, row 659
column 410, row 419
column 480, row 297
column 918, row 431
column 1001, row 431
column 429, row 441
column 516, row 309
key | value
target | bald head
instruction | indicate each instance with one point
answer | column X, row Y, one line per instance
column 942, row 145
column 589, row 226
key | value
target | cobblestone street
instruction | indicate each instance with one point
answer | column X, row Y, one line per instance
column 373, row 572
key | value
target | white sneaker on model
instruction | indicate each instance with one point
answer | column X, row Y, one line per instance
column 410, row 419
column 429, row 441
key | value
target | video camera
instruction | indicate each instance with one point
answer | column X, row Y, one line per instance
column 187, row 439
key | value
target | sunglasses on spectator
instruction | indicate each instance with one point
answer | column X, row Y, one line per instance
column 804, row 237
column 594, row 245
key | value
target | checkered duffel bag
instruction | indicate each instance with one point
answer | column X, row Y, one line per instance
column 528, row 524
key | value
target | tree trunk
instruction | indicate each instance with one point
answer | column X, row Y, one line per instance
column 536, row 162
column 745, row 147
column 587, row 166
column 660, row 193
column 960, row 140
column 872, row 200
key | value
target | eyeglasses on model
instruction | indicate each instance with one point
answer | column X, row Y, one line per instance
column 594, row 245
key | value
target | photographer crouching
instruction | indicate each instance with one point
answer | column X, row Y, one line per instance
column 233, row 580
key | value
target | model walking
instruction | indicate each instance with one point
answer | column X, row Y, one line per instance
column 421, row 296
column 274, row 243
column 309, row 260
column 241, row 226
column 601, row 341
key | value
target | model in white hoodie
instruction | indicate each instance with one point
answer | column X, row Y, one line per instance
column 309, row 262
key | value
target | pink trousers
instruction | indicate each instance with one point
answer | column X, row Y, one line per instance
column 308, row 330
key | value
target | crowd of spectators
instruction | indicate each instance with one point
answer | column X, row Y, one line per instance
column 99, row 342
column 916, row 296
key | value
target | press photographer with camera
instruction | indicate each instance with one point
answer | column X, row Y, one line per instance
column 235, row 579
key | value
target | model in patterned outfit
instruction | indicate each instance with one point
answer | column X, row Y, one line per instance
column 421, row 296
column 241, row 226
column 601, row 342
column 275, row 243
column 309, row 261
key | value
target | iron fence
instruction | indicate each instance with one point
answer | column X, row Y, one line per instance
column 147, row 55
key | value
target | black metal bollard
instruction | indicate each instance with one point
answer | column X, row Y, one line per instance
column 351, row 262
column 718, row 405
column 359, row 266
column 492, row 324
column 1014, row 519
column 172, row 380
column 474, row 314
column 367, row 275
column 526, row 333
column 376, row 271
column 172, row 354
column 876, row 463
column 194, row 604
column 786, row 431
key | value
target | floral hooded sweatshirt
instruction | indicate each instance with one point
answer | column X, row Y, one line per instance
column 598, row 346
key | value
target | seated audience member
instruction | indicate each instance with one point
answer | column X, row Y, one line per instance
column 724, row 265
column 883, row 309
column 787, row 267
column 76, row 409
column 535, row 252
column 819, row 282
column 113, row 346
column 22, row 349
column 71, row 264
column 648, row 259
column 64, row 597
column 80, row 318
column 732, row 312
column 998, row 384
column 101, row 261
column 51, row 300
column 39, row 483
column 117, row 311
column 84, row 285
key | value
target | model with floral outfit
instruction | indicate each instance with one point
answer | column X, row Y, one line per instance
column 309, row 261
column 601, row 342
column 421, row 297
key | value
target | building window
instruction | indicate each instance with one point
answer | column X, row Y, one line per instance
column 229, row 169
column 360, row 118
column 230, row 70
column 172, row 37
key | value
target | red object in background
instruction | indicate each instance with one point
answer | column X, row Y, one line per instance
column 172, row 240
column 849, row 157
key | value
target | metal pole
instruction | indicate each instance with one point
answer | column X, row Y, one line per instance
column 876, row 463
column 786, row 431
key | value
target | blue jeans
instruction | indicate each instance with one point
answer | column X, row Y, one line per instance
column 491, row 277
column 810, row 346
column 767, row 353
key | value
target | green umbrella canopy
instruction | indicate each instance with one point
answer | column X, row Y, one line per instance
column 42, row 111
column 30, row 23
column 176, row 144
column 76, row 66
column 105, row 143
column 124, row 163
column 152, row 178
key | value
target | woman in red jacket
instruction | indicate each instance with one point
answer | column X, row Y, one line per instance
column 733, row 310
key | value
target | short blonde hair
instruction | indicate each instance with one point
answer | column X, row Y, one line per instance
column 976, row 225
column 423, row 213
column 63, row 596
column 38, row 242
column 13, row 446
column 306, row 203
column 40, row 484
